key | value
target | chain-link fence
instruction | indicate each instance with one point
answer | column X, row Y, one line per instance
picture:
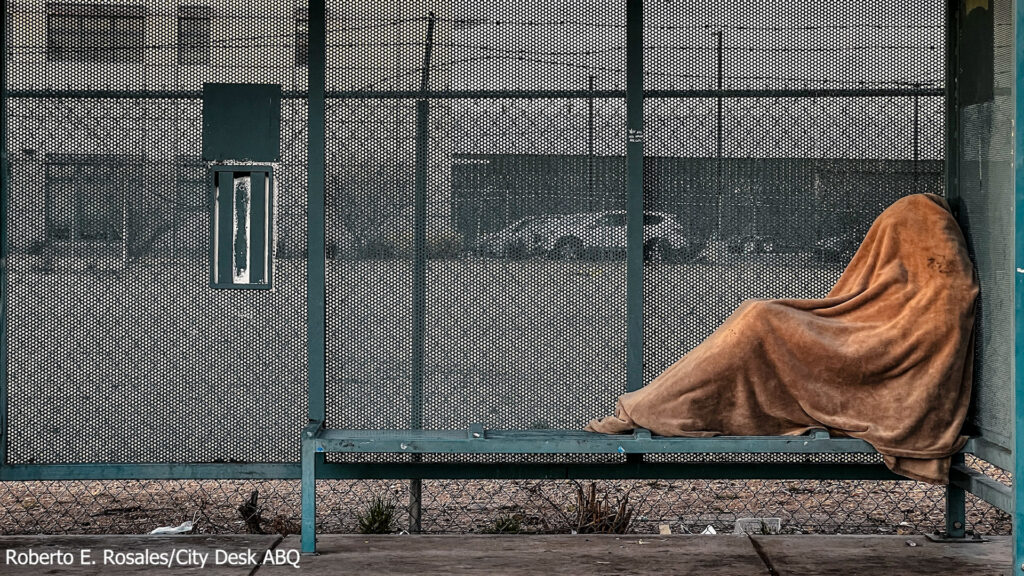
column 770, row 144
column 487, row 506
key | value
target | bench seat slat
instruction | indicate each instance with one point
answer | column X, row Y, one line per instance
column 572, row 442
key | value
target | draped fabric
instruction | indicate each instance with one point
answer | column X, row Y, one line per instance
column 886, row 356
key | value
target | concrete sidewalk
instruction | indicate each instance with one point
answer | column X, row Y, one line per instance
column 724, row 555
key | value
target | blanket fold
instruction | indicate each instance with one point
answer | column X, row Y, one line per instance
column 886, row 357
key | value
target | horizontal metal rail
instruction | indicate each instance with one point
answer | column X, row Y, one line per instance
column 497, row 94
column 133, row 471
column 991, row 452
column 448, row 470
column 523, row 470
column 604, row 471
column 983, row 486
column 476, row 440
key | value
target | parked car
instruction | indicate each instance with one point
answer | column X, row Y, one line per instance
column 750, row 244
column 604, row 234
column 521, row 238
column 757, row 244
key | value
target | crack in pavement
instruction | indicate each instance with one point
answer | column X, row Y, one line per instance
column 764, row 556
column 271, row 549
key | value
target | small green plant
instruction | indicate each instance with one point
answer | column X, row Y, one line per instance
column 511, row 524
column 378, row 516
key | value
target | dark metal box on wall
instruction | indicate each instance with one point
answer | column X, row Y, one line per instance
column 242, row 122
column 241, row 125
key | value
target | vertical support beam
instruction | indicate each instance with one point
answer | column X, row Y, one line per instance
column 316, row 292
column 952, row 108
column 416, row 503
column 956, row 505
column 309, row 462
column 5, row 177
column 316, row 264
column 635, row 192
column 419, row 266
column 419, row 263
column 1018, row 291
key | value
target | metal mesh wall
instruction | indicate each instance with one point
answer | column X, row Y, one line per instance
column 764, row 193
column 512, row 338
column 119, row 350
column 826, row 117
column 986, row 189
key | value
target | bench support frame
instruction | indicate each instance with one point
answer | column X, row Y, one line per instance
column 317, row 441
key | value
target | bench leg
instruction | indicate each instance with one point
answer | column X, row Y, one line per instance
column 956, row 506
column 415, row 506
column 309, row 458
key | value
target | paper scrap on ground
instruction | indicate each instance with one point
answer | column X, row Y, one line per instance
column 184, row 528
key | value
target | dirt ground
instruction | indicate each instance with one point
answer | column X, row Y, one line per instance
column 487, row 506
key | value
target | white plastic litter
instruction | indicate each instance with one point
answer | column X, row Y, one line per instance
column 709, row 530
column 184, row 528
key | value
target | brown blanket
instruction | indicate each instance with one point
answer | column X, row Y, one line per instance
column 886, row 356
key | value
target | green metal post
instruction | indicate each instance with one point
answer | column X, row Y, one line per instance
column 634, row 198
column 419, row 265
column 1018, row 293
column 316, row 264
column 956, row 505
column 309, row 468
column 5, row 174
column 952, row 110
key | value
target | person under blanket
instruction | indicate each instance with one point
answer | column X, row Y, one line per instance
column 886, row 357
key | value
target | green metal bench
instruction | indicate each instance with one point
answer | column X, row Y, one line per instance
column 476, row 440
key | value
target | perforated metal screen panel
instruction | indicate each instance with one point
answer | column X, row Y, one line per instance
column 986, row 188
column 775, row 135
column 513, row 338
column 119, row 349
